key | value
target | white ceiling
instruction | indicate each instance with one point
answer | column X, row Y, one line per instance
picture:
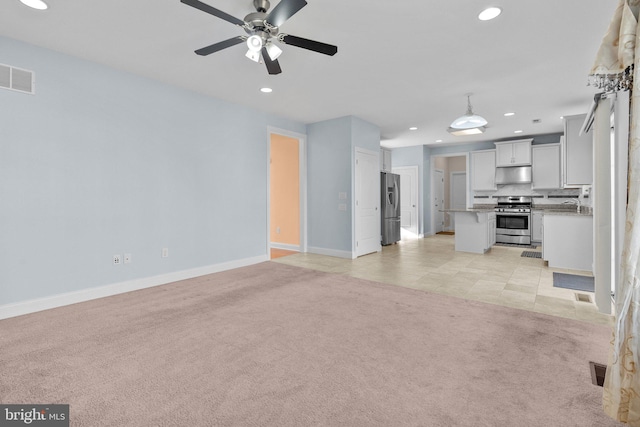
column 399, row 63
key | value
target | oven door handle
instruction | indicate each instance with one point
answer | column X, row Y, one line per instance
column 513, row 213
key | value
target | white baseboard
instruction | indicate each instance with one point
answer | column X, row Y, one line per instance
column 331, row 252
column 39, row 304
column 285, row 246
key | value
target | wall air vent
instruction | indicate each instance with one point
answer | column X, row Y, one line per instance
column 17, row 79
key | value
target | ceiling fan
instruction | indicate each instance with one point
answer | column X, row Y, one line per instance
column 263, row 29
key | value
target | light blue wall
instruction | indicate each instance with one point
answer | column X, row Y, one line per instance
column 100, row 162
column 331, row 151
column 329, row 173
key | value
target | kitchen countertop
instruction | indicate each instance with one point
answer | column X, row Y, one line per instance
column 568, row 212
column 472, row 210
column 563, row 209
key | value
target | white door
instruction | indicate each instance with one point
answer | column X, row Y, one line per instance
column 438, row 199
column 408, row 197
column 458, row 196
column 367, row 198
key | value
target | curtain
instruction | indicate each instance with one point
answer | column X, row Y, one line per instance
column 615, row 69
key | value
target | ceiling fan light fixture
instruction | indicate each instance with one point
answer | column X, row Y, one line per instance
column 273, row 51
column 254, row 43
column 253, row 55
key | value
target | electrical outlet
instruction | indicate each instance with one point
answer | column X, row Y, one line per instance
column 165, row 252
column 342, row 207
column 117, row 260
column 127, row 258
column 277, row 230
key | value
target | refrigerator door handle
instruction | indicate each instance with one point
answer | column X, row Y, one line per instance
column 396, row 191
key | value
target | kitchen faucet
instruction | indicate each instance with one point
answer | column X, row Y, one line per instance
column 573, row 202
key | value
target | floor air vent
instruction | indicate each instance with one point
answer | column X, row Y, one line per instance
column 583, row 297
column 598, row 372
column 16, row 79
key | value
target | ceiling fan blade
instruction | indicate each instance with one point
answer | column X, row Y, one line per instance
column 283, row 11
column 219, row 46
column 213, row 11
column 315, row 46
column 272, row 66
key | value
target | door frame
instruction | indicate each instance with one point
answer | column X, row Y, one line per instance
column 302, row 167
column 451, row 175
column 354, row 208
column 416, row 192
column 432, row 165
column 433, row 200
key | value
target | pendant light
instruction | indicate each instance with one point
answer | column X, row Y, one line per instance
column 469, row 124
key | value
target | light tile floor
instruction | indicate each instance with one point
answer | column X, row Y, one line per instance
column 500, row 276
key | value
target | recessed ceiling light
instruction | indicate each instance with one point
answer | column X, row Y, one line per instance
column 438, row 140
column 509, row 114
column 517, row 131
column 489, row 13
column 413, row 128
column 266, row 90
column 36, row 4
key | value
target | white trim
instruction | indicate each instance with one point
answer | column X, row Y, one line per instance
column 432, row 165
column 354, row 207
column 451, row 226
column 60, row 300
column 331, row 252
column 418, row 188
column 285, row 246
column 433, row 199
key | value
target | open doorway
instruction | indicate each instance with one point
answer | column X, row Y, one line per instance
column 286, row 194
column 449, row 185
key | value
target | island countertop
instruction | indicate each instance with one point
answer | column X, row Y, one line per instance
column 472, row 210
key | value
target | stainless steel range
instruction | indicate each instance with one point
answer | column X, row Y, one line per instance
column 513, row 220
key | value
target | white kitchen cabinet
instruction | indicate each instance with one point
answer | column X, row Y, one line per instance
column 385, row 160
column 513, row 153
column 568, row 241
column 546, row 173
column 475, row 231
column 491, row 229
column 483, row 170
column 577, row 152
column 536, row 226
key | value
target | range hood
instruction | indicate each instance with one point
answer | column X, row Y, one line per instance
column 513, row 175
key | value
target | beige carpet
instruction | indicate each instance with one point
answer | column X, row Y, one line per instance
column 278, row 345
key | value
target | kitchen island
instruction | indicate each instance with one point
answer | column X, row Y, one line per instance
column 475, row 229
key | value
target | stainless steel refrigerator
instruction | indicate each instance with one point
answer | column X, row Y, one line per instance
column 390, row 204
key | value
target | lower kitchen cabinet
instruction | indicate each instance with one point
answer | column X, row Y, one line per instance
column 568, row 241
column 536, row 226
column 475, row 231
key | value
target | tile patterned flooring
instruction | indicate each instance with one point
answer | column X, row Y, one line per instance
column 500, row 276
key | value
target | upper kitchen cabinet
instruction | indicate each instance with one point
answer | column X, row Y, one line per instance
column 483, row 170
column 545, row 172
column 578, row 153
column 385, row 160
column 513, row 153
